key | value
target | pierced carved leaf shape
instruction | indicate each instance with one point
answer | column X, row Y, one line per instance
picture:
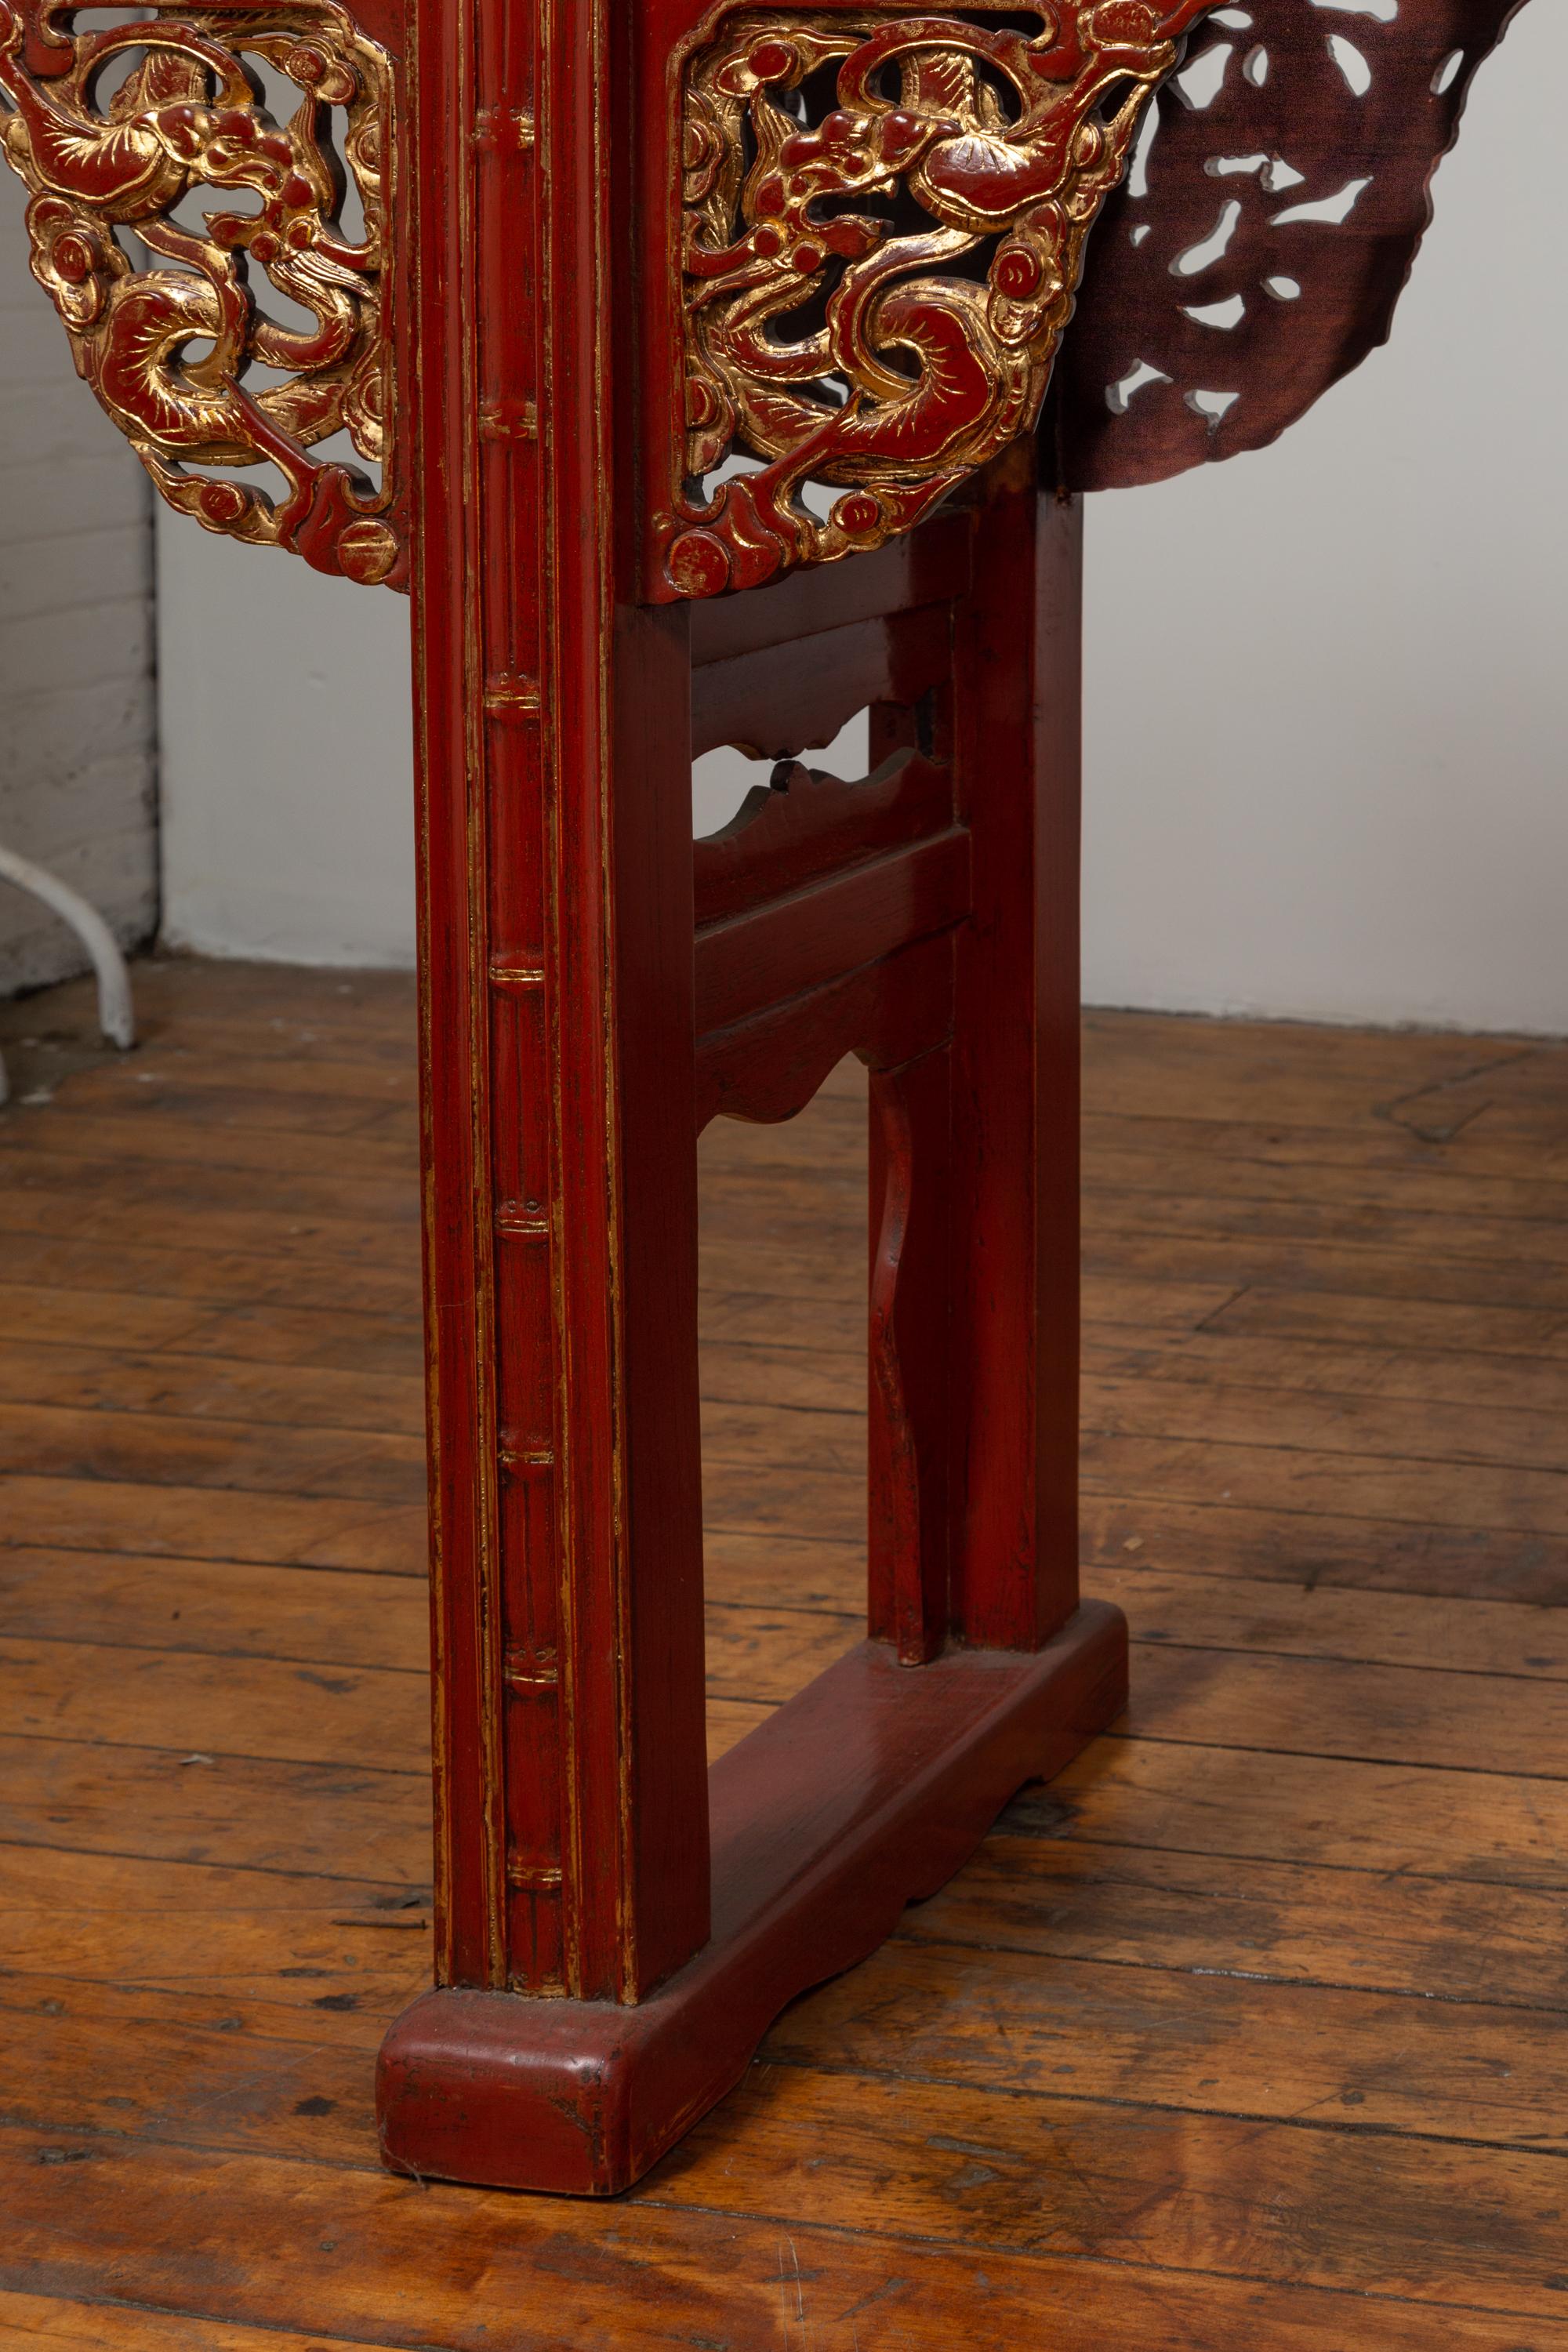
column 1261, row 258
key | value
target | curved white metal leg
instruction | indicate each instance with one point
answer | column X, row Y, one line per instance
column 116, row 1014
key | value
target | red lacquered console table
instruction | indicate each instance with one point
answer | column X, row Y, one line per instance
column 705, row 351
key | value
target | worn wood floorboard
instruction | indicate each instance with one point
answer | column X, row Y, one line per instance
column 1248, row 2035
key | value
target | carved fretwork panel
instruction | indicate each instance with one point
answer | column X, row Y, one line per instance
column 220, row 269
column 883, row 228
column 1258, row 254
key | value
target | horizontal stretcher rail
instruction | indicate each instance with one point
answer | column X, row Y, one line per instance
column 800, row 942
column 933, row 566
column 816, row 826
column 778, row 701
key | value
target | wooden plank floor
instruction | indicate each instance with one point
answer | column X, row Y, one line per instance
column 1247, row 2036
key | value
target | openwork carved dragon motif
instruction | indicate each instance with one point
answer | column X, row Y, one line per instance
column 884, row 229
column 110, row 154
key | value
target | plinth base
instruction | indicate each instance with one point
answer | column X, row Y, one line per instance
column 865, row 1792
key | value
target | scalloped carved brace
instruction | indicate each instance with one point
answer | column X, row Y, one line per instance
column 884, row 223
column 109, row 156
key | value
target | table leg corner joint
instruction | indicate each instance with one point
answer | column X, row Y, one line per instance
column 864, row 1793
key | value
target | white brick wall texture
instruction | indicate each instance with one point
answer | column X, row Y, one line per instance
column 78, row 713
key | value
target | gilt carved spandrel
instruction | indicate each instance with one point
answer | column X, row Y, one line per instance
column 166, row 335
column 883, row 229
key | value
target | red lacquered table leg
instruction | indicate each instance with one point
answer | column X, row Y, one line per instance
column 556, row 959
column 618, row 1927
column 1017, row 664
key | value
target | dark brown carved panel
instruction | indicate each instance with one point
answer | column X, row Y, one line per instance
column 1192, row 269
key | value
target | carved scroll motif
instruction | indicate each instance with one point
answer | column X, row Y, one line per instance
column 112, row 130
column 884, row 220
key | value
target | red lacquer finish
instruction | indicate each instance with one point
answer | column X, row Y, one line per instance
column 600, row 252
column 557, row 920
column 595, row 990
column 863, row 1794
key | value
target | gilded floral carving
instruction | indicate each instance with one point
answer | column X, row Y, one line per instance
column 884, row 219
column 166, row 303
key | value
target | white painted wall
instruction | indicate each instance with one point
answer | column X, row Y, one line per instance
column 1327, row 703
column 287, row 794
column 77, row 708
